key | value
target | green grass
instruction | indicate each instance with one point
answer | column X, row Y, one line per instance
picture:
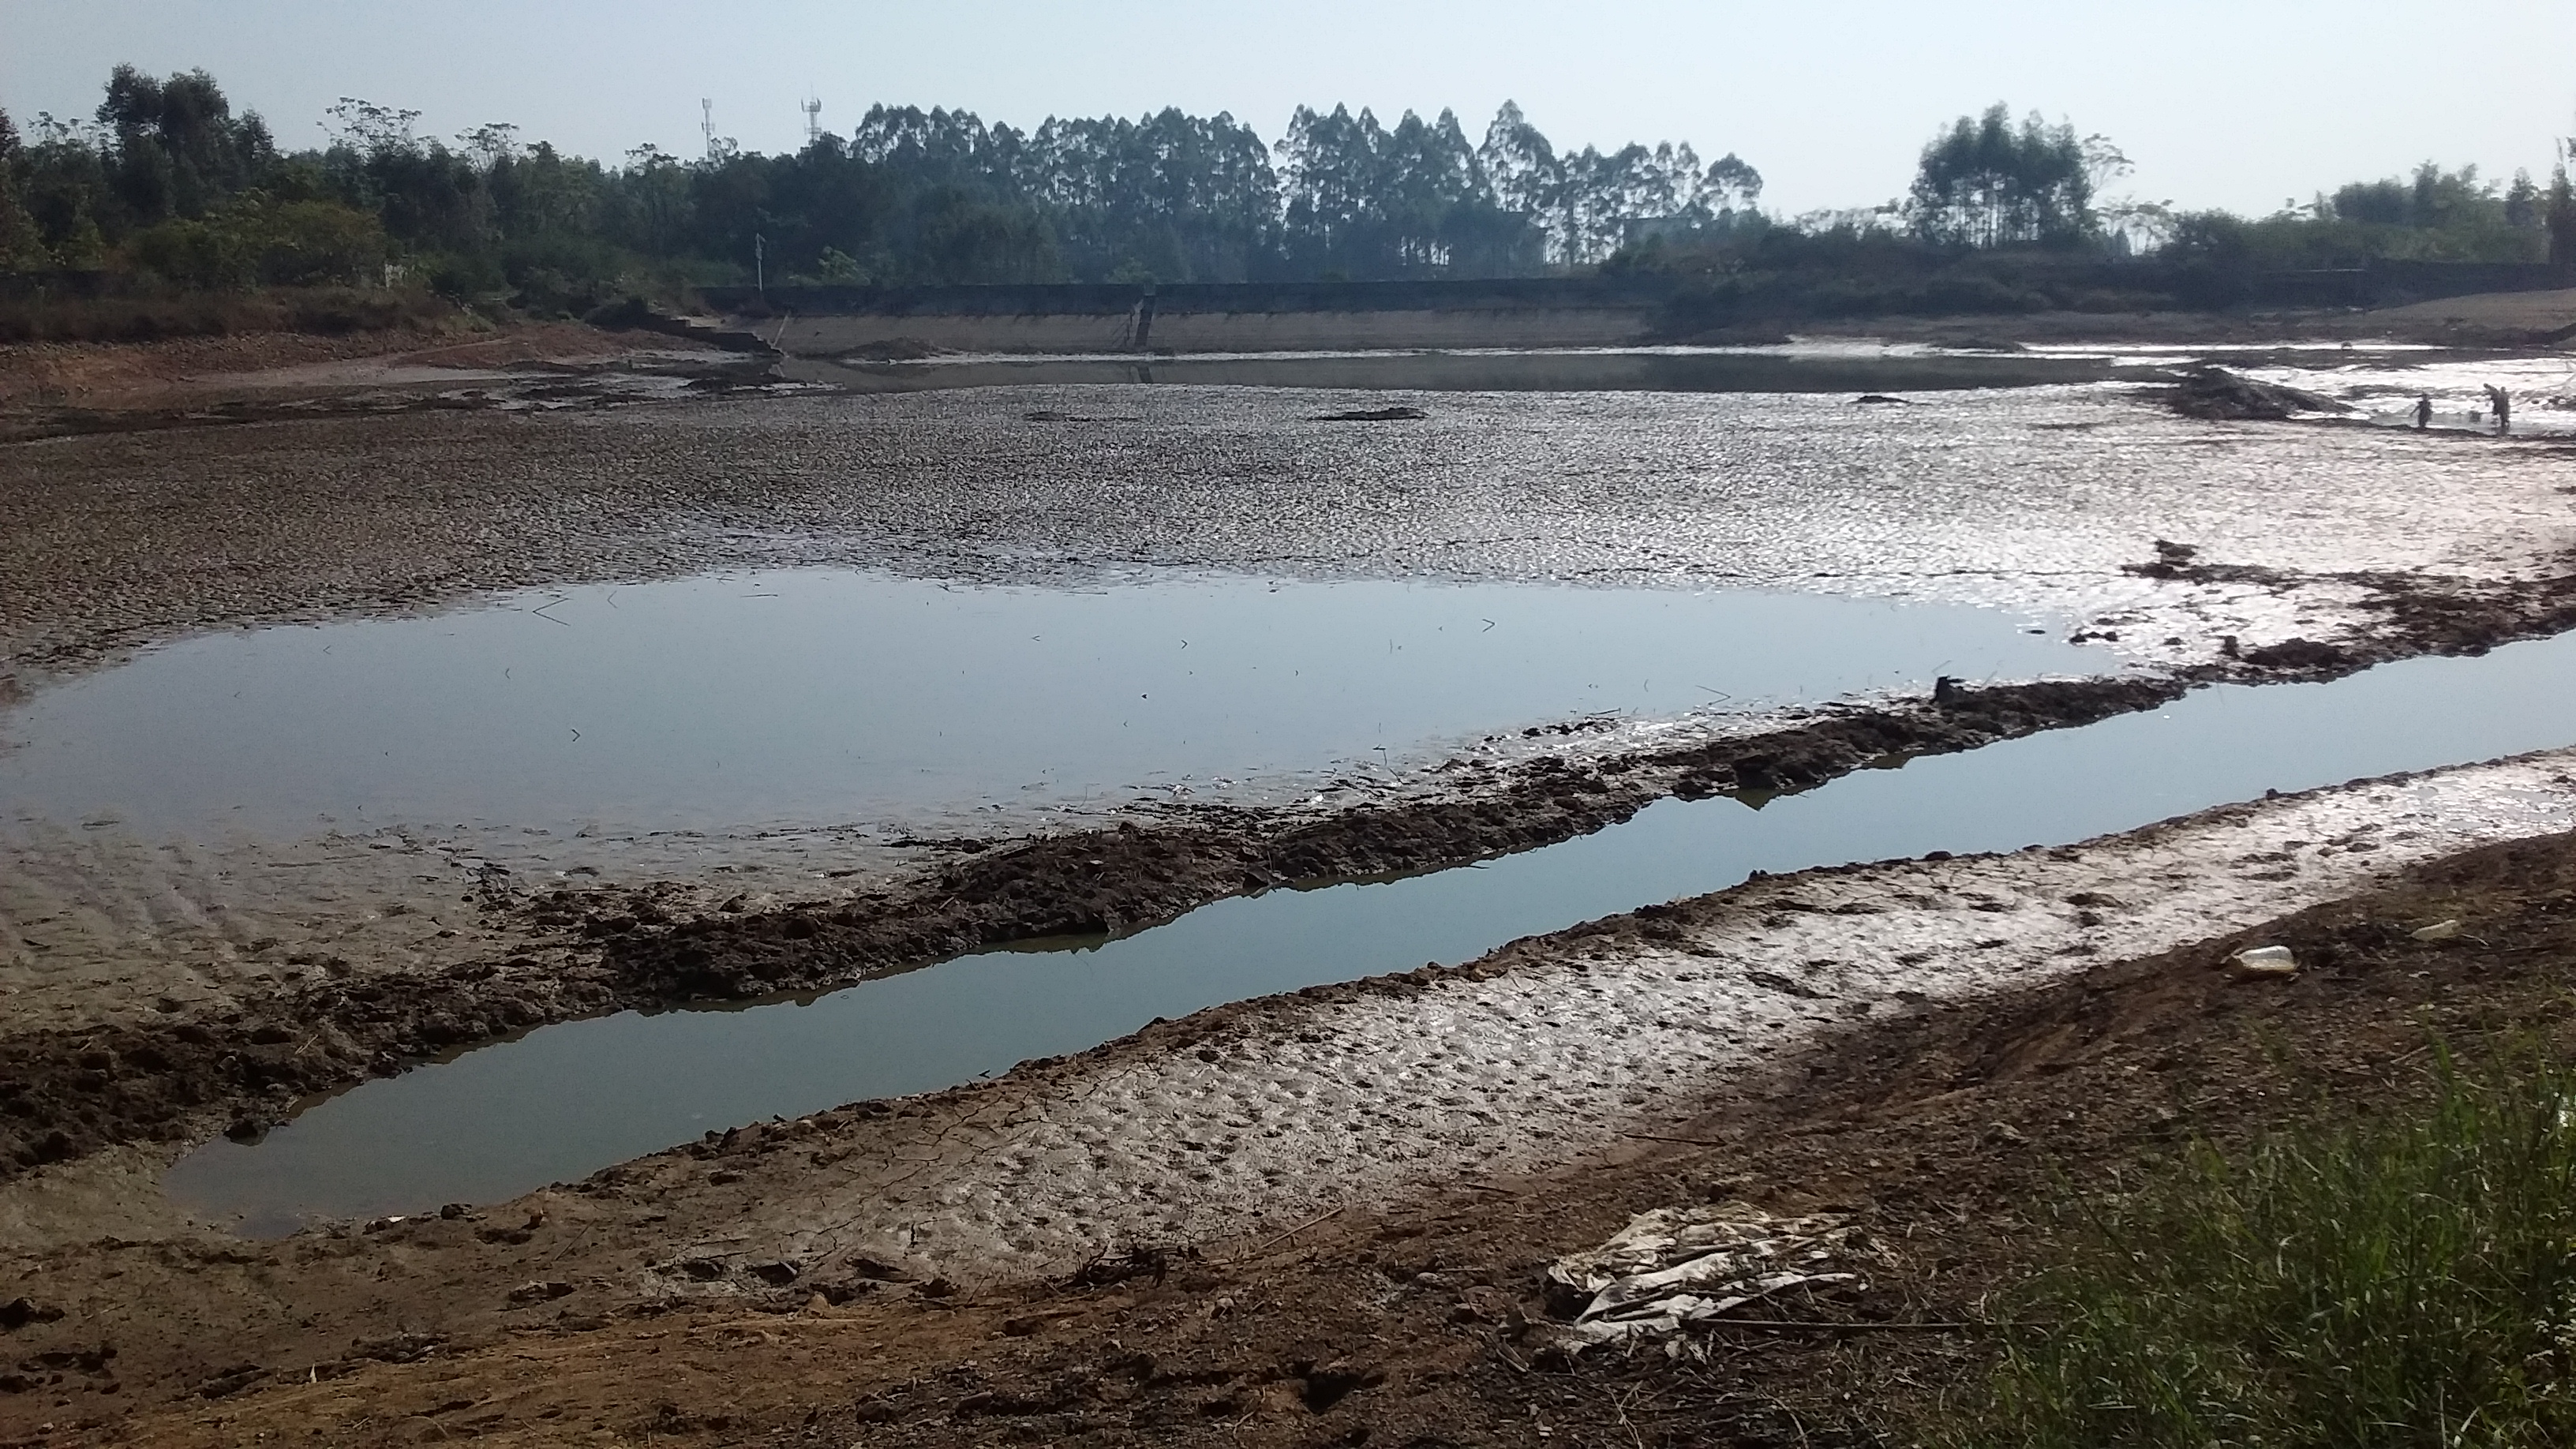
column 2409, row 1280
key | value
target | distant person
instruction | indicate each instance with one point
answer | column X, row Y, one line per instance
column 2503, row 407
column 2423, row 412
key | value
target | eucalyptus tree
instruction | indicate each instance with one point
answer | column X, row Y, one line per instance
column 1984, row 182
column 177, row 148
column 1169, row 195
column 20, row 249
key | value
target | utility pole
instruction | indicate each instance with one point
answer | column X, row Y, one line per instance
column 760, row 265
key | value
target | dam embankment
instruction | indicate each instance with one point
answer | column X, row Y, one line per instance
column 1201, row 316
column 2105, row 297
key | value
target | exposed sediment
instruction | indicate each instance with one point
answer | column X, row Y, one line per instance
column 1227, row 1132
column 523, row 502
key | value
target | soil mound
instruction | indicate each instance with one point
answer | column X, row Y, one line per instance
column 1373, row 415
column 2218, row 395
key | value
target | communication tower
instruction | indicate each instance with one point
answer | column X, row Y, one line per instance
column 812, row 106
column 707, row 125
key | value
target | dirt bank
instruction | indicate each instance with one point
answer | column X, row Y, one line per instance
column 1942, row 1120
column 57, row 389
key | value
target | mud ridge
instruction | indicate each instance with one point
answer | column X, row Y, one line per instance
column 2415, row 615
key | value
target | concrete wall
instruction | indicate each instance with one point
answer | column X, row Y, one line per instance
column 1203, row 317
column 1102, row 298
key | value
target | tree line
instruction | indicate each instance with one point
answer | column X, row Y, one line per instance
column 1986, row 182
column 166, row 181
column 2020, row 216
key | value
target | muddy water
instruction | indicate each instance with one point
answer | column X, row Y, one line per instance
column 829, row 696
column 568, row 1099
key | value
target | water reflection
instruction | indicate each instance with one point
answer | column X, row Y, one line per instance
column 825, row 696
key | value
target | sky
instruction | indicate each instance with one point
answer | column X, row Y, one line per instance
column 2243, row 105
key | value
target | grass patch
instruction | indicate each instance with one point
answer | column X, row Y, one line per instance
column 2406, row 1280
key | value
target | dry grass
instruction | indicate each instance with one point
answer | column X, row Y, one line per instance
column 326, row 311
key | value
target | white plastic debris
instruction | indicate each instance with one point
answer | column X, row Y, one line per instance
column 2438, row 931
column 2264, row 961
column 1675, row 1267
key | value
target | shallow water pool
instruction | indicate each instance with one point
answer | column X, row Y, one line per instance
column 826, row 696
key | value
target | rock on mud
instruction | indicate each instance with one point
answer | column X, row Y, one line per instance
column 1373, row 415
column 2218, row 395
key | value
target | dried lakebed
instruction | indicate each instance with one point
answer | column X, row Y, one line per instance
column 216, row 983
column 572, row 1098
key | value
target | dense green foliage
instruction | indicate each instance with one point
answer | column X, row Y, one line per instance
column 2408, row 1281
column 166, row 182
column 2434, row 216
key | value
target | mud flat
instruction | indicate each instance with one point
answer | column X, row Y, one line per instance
column 564, row 1101
column 2200, row 552
column 1221, row 1162
column 1857, row 367
column 167, row 983
column 68, row 389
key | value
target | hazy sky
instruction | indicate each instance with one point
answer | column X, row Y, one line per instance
column 2239, row 104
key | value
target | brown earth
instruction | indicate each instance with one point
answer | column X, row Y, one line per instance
column 52, row 389
column 1948, row 1134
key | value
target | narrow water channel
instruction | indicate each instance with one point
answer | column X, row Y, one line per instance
column 568, row 1099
